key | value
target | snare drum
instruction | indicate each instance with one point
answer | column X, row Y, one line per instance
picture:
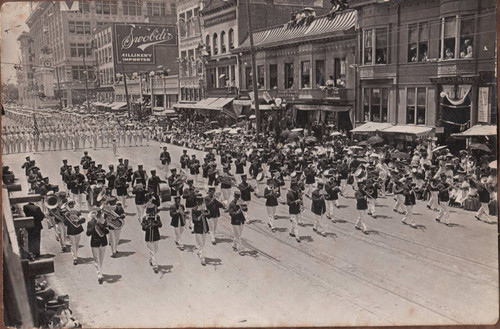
column 165, row 192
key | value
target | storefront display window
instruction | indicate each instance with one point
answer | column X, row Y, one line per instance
column 416, row 100
column 375, row 104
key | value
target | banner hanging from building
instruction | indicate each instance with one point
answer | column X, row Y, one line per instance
column 135, row 43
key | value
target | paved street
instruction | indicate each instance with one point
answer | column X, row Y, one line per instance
column 395, row 275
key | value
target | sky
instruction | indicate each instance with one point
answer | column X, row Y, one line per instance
column 12, row 14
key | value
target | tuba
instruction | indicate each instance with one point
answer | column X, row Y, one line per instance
column 99, row 229
column 113, row 220
column 51, row 201
column 72, row 217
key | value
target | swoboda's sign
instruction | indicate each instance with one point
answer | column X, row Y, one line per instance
column 135, row 43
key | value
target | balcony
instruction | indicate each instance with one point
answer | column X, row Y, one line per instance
column 342, row 94
column 455, row 67
column 222, row 92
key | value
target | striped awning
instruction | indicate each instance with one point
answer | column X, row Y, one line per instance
column 220, row 103
column 478, row 130
column 321, row 27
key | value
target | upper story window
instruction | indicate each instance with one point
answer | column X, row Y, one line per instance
column 273, row 76
column 84, row 7
column 230, row 37
column 207, row 44
column 106, row 7
column 80, row 49
column 466, row 36
column 132, row 8
column 189, row 23
column 375, row 54
column 260, row 77
column 79, row 27
column 223, row 42
column 214, row 43
column 156, row 9
column 416, row 105
column 305, row 69
column 457, row 37
column 418, row 42
column 339, row 72
column 320, row 73
column 375, row 104
column 173, row 8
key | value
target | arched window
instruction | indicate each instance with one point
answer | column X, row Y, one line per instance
column 207, row 44
column 231, row 39
column 214, row 43
column 223, row 42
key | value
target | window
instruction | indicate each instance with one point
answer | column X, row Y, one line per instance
column 156, row 9
column 189, row 23
column 222, row 42
column 223, row 76
column 214, row 43
column 207, row 44
column 320, row 73
column 418, row 42
column 211, row 77
column 191, row 63
column 368, row 48
column 78, row 72
column 260, row 77
column 132, row 8
column 288, row 75
column 173, row 8
column 273, row 76
column 466, row 36
column 381, row 46
column 305, row 69
column 106, row 7
column 375, row 104
column 84, row 7
column 196, row 22
column 416, row 105
column 79, row 27
column 79, row 49
column 339, row 72
column 248, row 76
column 449, row 37
column 231, row 38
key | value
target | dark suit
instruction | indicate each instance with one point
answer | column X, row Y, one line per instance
column 32, row 210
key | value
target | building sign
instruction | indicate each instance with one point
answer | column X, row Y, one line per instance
column 219, row 19
column 456, row 80
column 483, row 106
column 135, row 43
column 288, row 94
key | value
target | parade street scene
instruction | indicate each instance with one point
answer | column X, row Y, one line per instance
column 185, row 163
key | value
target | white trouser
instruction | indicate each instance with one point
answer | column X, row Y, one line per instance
column 309, row 188
column 200, row 244
column 60, row 229
column 294, row 220
column 361, row 216
column 123, row 200
column 75, row 240
column 409, row 214
column 271, row 212
column 140, row 211
column 153, row 250
column 371, row 206
column 238, row 230
column 433, row 200
column 77, row 198
column 226, row 194
column 399, row 205
column 317, row 222
column 212, row 224
column 444, row 212
column 98, row 254
column 178, row 233
column 484, row 210
column 114, row 238
column 330, row 204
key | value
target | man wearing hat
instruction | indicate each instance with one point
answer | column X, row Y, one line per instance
column 175, row 182
column 227, row 181
column 97, row 230
column 111, row 177
column 361, row 207
column 189, row 195
column 213, row 206
column 194, row 167
column 295, row 204
column 27, row 165
column 398, row 195
column 74, row 229
column 121, row 188
column 410, row 201
column 310, row 175
column 114, row 233
column 178, row 220
column 318, row 207
column 77, row 186
column 332, row 196
column 165, row 159
column 85, row 162
column 34, row 236
column 245, row 189
column 184, row 159
column 434, row 190
column 271, row 193
column 151, row 224
column 199, row 215
column 120, row 168
column 140, row 200
column 444, row 198
column 237, row 220
column 140, row 176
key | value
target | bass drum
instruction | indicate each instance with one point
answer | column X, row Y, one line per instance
column 165, row 192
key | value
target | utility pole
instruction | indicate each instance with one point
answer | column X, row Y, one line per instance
column 86, row 82
column 126, row 89
column 254, row 72
column 59, row 88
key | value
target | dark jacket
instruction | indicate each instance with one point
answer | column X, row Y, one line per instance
column 96, row 240
column 318, row 205
column 237, row 217
column 151, row 226
column 32, row 210
column 165, row 158
column 246, row 191
column 271, row 198
column 291, row 199
column 190, row 196
column 213, row 206
column 177, row 217
column 200, row 221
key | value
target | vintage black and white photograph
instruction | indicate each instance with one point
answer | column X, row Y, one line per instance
column 249, row 163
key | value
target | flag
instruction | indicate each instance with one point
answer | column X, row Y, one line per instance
column 69, row 6
column 36, row 131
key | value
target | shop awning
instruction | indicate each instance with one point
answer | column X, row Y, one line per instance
column 205, row 103
column 220, row 103
column 184, row 105
column 262, row 107
column 243, row 102
column 478, row 130
column 118, row 105
column 370, row 127
column 307, row 107
column 332, row 108
column 408, row 130
column 98, row 104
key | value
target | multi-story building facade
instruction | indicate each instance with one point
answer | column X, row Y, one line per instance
column 426, row 66
column 310, row 68
column 24, row 71
column 64, row 37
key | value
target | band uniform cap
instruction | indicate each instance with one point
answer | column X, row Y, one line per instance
column 442, row 174
column 321, row 184
column 211, row 189
column 139, row 185
column 270, row 181
column 112, row 201
column 62, row 193
column 27, row 158
column 199, row 196
column 244, row 176
column 76, row 167
column 64, row 161
column 153, row 171
column 86, row 152
column 184, row 151
column 164, row 147
column 190, row 180
column 150, row 206
column 237, row 192
column 120, row 160
column 177, row 197
column 173, row 169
